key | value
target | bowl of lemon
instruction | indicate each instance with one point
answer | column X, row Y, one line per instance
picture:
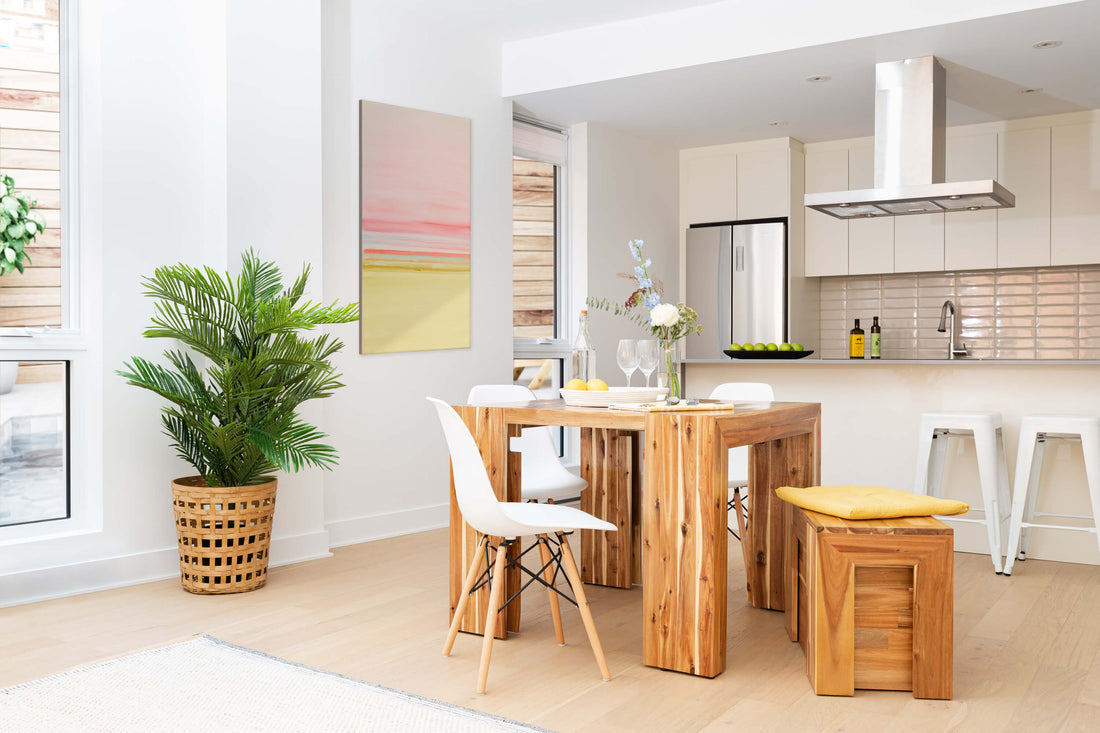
column 596, row 393
column 767, row 351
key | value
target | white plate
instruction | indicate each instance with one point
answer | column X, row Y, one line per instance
column 616, row 395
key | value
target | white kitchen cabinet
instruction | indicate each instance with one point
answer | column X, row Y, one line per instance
column 708, row 189
column 1023, row 164
column 826, row 236
column 870, row 241
column 918, row 243
column 1075, row 194
column 763, row 188
column 970, row 237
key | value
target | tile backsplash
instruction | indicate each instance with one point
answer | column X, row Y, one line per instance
column 1040, row 313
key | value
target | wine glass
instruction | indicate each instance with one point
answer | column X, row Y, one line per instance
column 627, row 357
column 648, row 354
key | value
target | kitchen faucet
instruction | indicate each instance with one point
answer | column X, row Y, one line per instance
column 955, row 350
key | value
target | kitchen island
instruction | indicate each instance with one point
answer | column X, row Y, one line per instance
column 872, row 412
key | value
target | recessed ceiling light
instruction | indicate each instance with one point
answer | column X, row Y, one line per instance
column 1031, row 90
column 818, row 78
column 777, row 123
column 1046, row 44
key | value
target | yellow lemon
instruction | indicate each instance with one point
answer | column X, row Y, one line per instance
column 597, row 385
column 576, row 384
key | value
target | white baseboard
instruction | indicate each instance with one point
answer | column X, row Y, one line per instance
column 391, row 524
column 43, row 584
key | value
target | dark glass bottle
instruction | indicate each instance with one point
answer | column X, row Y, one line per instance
column 876, row 340
column 855, row 342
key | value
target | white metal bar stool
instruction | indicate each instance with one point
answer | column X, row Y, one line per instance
column 1035, row 431
column 985, row 429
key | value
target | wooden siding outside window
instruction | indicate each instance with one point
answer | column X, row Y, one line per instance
column 533, row 248
column 30, row 152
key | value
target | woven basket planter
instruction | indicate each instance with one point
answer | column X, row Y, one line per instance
column 224, row 533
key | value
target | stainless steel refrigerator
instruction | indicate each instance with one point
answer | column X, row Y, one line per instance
column 737, row 283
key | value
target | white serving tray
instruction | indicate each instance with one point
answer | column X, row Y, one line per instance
column 615, row 395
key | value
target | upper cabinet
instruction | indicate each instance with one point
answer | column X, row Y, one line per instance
column 1023, row 232
column 1075, row 194
column 870, row 241
column 826, row 170
column 763, row 188
column 708, row 188
column 970, row 237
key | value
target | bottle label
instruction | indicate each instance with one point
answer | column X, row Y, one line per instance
column 876, row 345
column 855, row 346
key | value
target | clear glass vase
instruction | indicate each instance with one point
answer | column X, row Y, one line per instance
column 668, row 370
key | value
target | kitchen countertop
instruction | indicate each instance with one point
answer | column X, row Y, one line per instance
column 883, row 362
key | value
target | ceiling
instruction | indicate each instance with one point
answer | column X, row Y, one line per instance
column 988, row 62
column 513, row 20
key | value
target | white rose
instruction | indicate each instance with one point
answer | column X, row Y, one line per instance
column 664, row 314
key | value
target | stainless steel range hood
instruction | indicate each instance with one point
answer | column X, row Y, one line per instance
column 910, row 110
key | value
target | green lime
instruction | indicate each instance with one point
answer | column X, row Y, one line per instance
column 772, row 347
column 735, row 347
column 759, row 347
column 797, row 347
column 784, row 346
column 747, row 346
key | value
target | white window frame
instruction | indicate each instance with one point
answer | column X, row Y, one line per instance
column 69, row 343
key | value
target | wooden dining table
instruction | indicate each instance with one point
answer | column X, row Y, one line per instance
column 671, row 524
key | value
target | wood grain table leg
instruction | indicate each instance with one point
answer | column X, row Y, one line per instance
column 491, row 435
column 607, row 466
column 791, row 461
column 684, row 544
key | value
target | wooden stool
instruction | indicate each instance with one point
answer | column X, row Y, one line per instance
column 871, row 601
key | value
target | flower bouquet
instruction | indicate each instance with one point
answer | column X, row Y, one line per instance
column 667, row 322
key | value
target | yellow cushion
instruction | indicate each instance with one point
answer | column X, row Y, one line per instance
column 868, row 502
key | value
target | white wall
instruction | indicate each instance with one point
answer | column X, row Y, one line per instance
column 871, row 413
column 633, row 187
column 273, row 138
column 171, row 172
column 393, row 473
column 150, row 184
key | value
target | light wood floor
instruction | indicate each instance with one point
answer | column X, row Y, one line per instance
column 1025, row 648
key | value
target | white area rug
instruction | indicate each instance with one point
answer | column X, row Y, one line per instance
column 210, row 685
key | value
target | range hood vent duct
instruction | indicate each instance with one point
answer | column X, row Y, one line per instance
column 910, row 111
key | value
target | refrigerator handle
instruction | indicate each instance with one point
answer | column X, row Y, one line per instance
column 740, row 258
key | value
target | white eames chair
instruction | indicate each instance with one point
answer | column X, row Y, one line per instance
column 504, row 522
column 542, row 475
column 739, row 457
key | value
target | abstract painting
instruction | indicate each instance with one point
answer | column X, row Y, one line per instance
column 414, row 229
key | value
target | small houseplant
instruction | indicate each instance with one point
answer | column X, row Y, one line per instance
column 18, row 227
column 235, row 420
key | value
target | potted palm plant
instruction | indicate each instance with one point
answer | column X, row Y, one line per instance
column 235, row 418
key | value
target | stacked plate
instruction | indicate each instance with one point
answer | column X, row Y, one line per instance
column 613, row 396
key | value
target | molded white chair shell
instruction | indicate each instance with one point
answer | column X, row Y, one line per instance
column 984, row 427
column 508, row 520
column 542, row 475
column 741, row 392
column 1035, row 431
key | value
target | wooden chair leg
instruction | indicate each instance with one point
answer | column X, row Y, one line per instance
column 497, row 590
column 467, row 586
column 570, row 567
column 548, row 574
column 741, row 527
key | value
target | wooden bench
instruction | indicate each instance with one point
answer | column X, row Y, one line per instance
column 870, row 602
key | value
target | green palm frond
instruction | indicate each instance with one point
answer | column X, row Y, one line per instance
column 236, row 420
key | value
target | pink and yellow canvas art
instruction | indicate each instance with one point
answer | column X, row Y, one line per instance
column 414, row 199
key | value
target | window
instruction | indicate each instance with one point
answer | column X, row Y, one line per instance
column 39, row 341
column 538, row 255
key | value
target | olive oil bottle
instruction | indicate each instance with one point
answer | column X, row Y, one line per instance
column 855, row 342
column 876, row 340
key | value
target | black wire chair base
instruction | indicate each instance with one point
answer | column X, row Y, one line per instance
column 536, row 576
column 731, row 505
